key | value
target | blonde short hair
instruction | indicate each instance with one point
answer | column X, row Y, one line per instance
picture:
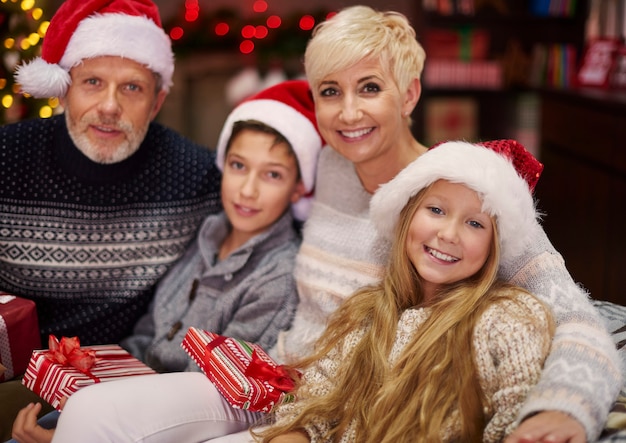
column 359, row 32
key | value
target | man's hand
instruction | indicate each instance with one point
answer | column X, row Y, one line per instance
column 26, row 429
column 549, row 427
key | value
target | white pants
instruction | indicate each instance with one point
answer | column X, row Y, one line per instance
column 176, row 407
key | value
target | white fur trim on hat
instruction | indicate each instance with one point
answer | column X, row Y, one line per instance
column 294, row 126
column 504, row 193
column 112, row 34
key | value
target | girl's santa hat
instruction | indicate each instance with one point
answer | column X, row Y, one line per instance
column 83, row 29
column 502, row 172
column 288, row 108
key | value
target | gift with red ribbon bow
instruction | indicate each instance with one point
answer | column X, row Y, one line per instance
column 65, row 368
column 242, row 372
column 68, row 352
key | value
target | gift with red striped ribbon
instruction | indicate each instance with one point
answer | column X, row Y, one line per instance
column 242, row 372
column 66, row 367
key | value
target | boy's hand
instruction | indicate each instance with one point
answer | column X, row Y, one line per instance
column 26, row 429
column 549, row 427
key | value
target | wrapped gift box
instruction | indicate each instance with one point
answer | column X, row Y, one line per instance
column 52, row 381
column 19, row 334
column 242, row 372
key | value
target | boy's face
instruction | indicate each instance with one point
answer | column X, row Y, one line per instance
column 260, row 181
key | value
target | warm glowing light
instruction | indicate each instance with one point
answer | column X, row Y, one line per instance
column 45, row 112
column 3, row 83
column 9, row 43
column 7, row 101
column 222, row 28
column 248, row 31
column 16, row 88
column 177, row 33
column 25, row 44
column 331, row 14
column 37, row 13
column 246, row 47
column 53, row 102
column 261, row 32
column 191, row 15
column 27, row 5
column 43, row 28
column 259, row 6
column 307, row 22
column 273, row 21
column 33, row 39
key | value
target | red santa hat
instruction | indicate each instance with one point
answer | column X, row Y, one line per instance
column 83, row 29
column 287, row 107
column 502, row 172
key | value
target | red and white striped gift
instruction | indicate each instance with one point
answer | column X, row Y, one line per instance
column 242, row 372
column 53, row 381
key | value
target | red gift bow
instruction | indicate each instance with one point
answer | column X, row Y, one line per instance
column 67, row 352
column 276, row 376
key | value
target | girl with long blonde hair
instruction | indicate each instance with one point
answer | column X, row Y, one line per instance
column 441, row 349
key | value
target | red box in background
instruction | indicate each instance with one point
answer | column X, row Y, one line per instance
column 53, row 381
column 19, row 334
column 462, row 44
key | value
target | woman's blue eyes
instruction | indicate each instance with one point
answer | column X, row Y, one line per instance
column 368, row 88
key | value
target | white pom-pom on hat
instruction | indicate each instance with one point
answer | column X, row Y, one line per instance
column 83, row 29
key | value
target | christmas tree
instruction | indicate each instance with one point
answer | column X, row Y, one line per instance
column 23, row 23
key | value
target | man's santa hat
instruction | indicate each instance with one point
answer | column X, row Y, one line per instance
column 83, row 29
column 288, row 108
column 502, row 172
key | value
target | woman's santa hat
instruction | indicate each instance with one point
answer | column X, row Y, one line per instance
column 288, row 108
column 82, row 29
column 502, row 172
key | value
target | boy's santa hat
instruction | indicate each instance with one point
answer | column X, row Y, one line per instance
column 83, row 29
column 288, row 108
column 502, row 172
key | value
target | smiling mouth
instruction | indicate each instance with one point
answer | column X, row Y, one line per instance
column 246, row 209
column 106, row 129
column 440, row 255
column 355, row 134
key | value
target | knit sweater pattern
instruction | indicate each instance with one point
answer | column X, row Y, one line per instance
column 87, row 241
column 582, row 374
column 509, row 351
column 250, row 295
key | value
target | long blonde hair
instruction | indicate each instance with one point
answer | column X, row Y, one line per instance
column 414, row 399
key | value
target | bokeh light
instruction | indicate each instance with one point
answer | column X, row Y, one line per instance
column 273, row 21
column 246, row 47
column 259, row 6
column 307, row 22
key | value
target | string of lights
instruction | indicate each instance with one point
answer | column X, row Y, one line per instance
column 258, row 33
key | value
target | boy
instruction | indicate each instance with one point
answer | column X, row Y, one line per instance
column 237, row 278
